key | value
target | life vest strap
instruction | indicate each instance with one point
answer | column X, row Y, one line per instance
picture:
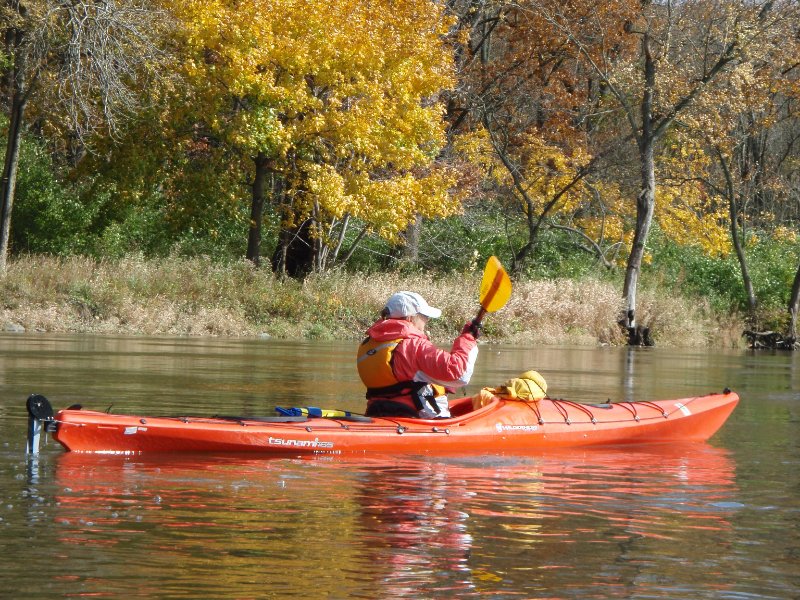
column 414, row 389
column 401, row 387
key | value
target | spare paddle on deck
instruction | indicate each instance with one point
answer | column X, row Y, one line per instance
column 495, row 289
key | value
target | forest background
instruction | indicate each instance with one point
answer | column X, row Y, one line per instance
column 280, row 167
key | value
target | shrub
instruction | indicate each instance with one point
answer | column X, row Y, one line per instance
column 48, row 214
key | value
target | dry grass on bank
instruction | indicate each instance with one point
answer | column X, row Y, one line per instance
column 197, row 297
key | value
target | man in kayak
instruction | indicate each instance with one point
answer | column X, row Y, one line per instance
column 405, row 374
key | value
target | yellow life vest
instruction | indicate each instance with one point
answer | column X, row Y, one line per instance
column 374, row 362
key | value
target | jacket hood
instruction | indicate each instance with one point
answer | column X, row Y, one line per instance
column 392, row 329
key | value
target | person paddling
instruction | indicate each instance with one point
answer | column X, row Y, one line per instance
column 405, row 373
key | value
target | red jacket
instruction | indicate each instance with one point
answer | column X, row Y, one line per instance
column 417, row 359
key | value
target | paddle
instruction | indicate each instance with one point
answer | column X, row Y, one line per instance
column 495, row 289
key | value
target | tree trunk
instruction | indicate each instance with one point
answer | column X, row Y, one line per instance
column 409, row 252
column 794, row 308
column 257, row 210
column 645, row 203
column 9, row 180
column 737, row 244
column 294, row 255
column 520, row 256
column 8, row 184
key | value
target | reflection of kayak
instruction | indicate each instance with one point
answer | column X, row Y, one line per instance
column 500, row 426
column 458, row 525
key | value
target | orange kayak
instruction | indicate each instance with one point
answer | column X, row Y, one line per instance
column 501, row 426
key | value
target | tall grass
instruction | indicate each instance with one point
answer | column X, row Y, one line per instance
column 196, row 296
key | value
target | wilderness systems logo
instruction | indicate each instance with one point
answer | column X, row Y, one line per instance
column 315, row 443
column 501, row 428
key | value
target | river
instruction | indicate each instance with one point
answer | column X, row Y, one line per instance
column 714, row 520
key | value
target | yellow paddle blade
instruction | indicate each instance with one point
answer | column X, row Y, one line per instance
column 495, row 286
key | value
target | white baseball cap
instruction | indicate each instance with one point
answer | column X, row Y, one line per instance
column 406, row 304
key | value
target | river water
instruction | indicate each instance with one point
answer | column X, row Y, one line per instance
column 715, row 520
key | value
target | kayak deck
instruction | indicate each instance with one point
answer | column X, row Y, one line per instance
column 499, row 427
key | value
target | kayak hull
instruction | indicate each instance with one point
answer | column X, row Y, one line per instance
column 502, row 426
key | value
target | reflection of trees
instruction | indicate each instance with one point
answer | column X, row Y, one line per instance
column 576, row 522
column 203, row 527
column 605, row 522
column 566, row 524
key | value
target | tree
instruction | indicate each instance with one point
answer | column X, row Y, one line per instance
column 80, row 64
column 524, row 89
column 739, row 146
column 331, row 110
column 794, row 308
column 683, row 49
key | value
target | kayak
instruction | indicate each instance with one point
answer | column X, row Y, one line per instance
column 501, row 426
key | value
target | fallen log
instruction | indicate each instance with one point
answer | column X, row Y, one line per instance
column 770, row 340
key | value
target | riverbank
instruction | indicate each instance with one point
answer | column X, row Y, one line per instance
column 198, row 297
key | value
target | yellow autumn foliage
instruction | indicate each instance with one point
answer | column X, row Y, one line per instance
column 684, row 209
column 686, row 215
column 607, row 224
column 785, row 234
column 547, row 170
column 341, row 98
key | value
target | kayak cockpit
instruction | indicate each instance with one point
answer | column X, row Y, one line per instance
column 461, row 411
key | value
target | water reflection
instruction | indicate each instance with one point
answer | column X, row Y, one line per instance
column 415, row 528
column 704, row 521
column 462, row 526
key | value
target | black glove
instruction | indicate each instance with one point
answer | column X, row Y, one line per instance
column 472, row 328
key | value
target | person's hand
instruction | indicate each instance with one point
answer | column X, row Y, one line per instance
column 472, row 328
